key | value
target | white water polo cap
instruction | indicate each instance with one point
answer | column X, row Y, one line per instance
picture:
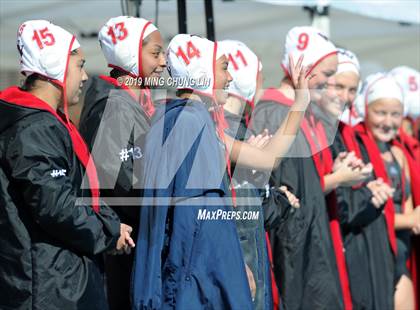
column 377, row 86
column 45, row 49
column 121, row 40
column 347, row 61
column 409, row 80
column 192, row 59
column 244, row 67
column 307, row 41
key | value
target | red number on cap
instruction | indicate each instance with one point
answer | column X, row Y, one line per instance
column 192, row 52
column 122, row 32
column 180, row 53
column 240, row 56
column 233, row 62
column 413, row 83
column 43, row 37
column 303, row 41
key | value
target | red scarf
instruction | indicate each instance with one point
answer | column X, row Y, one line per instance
column 145, row 94
column 380, row 172
column 307, row 126
column 14, row 95
column 349, row 139
column 351, row 143
column 274, row 289
column 323, row 166
column 218, row 116
column 331, row 198
column 412, row 145
column 413, row 263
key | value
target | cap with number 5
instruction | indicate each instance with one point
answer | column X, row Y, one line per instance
column 409, row 80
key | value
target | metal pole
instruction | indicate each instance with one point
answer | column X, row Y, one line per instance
column 182, row 16
column 209, row 20
column 321, row 19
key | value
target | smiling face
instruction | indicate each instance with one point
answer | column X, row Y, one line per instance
column 384, row 118
column 346, row 84
column 223, row 78
column 340, row 92
column 76, row 76
column 320, row 74
column 153, row 55
column 330, row 101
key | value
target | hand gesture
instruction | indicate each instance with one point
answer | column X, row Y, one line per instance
column 298, row 76
column 125, row 243
column 260, row 140
column 381, row 192
column 350, row 169
column 293, row 200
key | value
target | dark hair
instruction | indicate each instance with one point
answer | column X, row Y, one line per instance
column 30, row 81
column 116, row 73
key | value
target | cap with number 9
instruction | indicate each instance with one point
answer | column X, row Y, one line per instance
column 307, row 41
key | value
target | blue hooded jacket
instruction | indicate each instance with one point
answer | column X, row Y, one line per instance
column 183, row 261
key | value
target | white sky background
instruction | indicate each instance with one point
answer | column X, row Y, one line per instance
column 379, row 44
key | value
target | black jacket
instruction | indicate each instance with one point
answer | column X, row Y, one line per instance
column 303, row 255
column 356, row 213
column 366, row 228
column 114, row 126
column 112, row 122
column 49, row 244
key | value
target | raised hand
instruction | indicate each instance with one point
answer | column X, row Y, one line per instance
column 298, row 76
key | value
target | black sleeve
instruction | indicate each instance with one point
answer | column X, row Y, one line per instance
column 287, row 174
column 268, row 115
column 90, row 120
column 354, row 207
column 276, row 209
column 37, row 151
